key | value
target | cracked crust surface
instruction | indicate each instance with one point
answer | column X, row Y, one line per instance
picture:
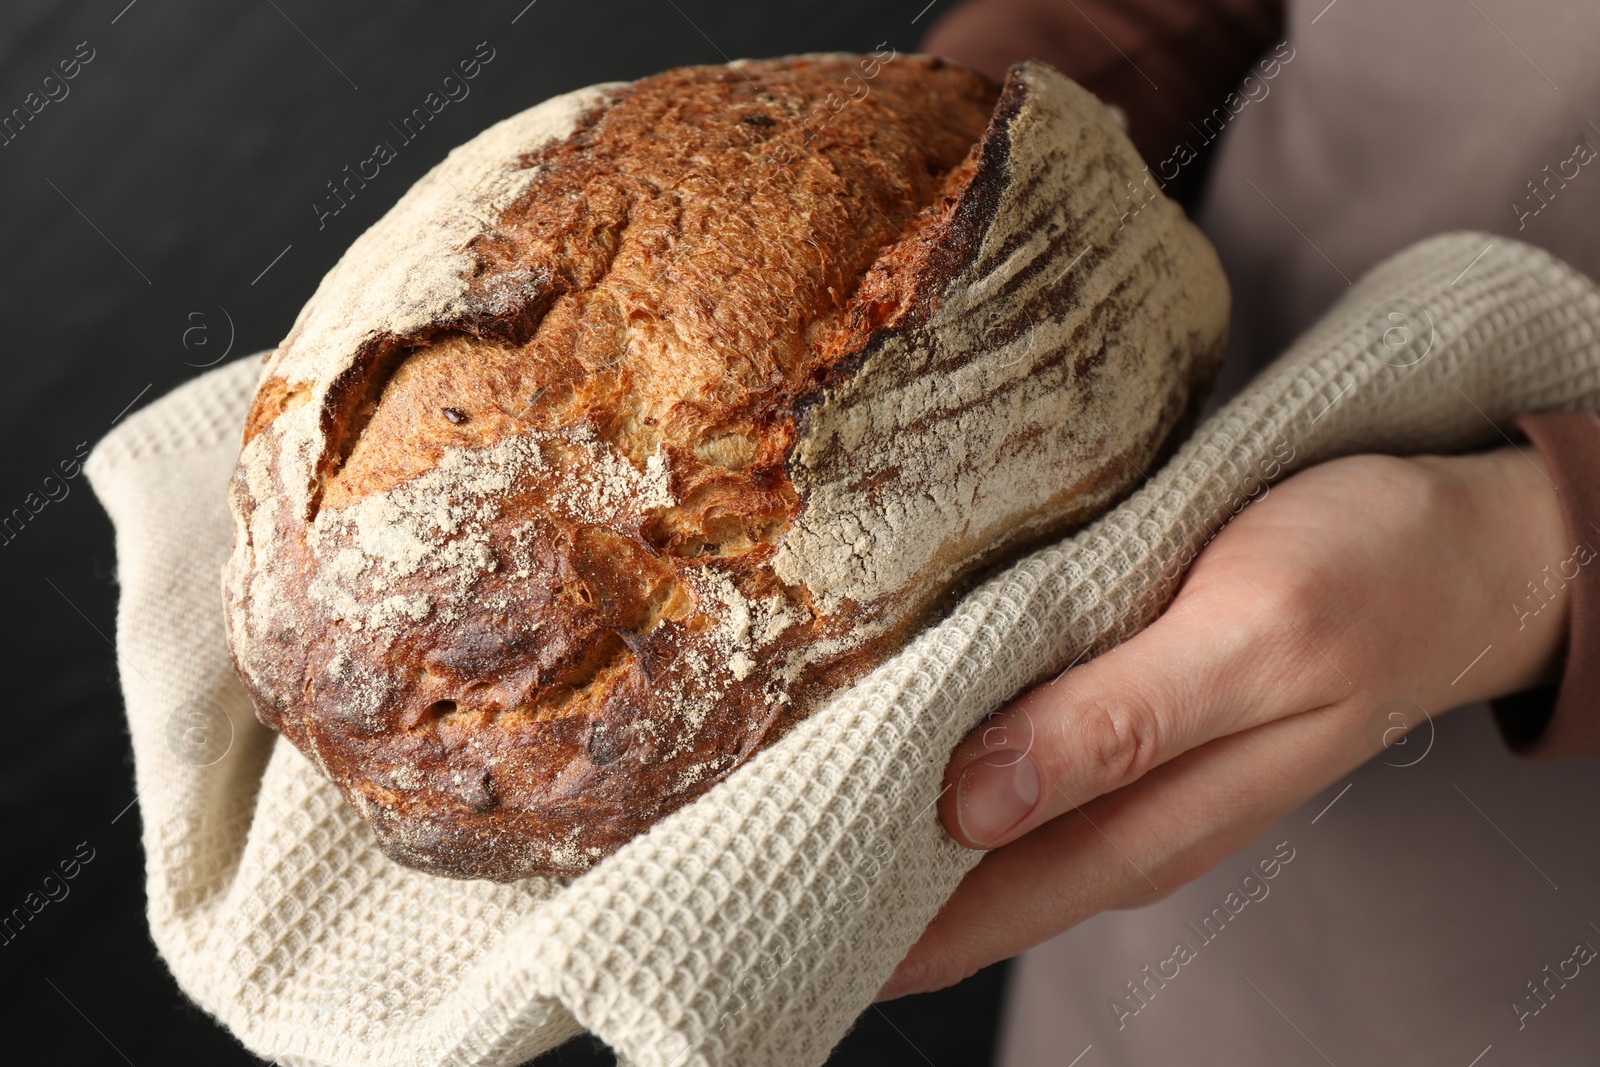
column 659, row 413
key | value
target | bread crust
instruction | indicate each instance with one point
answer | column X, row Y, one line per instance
column 658, row 414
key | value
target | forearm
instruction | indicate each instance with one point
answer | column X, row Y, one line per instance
column 1165, row 63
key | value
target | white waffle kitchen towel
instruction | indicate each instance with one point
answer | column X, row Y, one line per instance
column 754, row 925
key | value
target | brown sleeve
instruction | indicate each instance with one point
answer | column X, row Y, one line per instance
column 1564, row 719
column 1165, row 63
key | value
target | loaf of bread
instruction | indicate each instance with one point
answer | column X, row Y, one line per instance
column 659, row 413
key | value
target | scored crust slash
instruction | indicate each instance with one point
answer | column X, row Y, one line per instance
column 654, row 416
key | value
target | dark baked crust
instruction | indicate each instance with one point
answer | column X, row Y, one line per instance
column 534, row 606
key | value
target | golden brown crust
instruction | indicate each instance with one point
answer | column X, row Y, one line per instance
column 508, row 574
column 682, row 263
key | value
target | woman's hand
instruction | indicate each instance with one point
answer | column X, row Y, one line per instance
column 1352, row 585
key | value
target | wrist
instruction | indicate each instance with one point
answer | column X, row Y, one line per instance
column 1516, row 552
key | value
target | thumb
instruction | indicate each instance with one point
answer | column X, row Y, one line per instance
column 1221, row 660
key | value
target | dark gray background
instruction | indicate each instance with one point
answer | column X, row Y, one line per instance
column 147, row 203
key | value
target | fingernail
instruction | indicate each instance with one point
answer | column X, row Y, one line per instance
column 994, row 794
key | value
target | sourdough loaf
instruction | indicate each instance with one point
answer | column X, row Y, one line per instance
column 658, row 413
